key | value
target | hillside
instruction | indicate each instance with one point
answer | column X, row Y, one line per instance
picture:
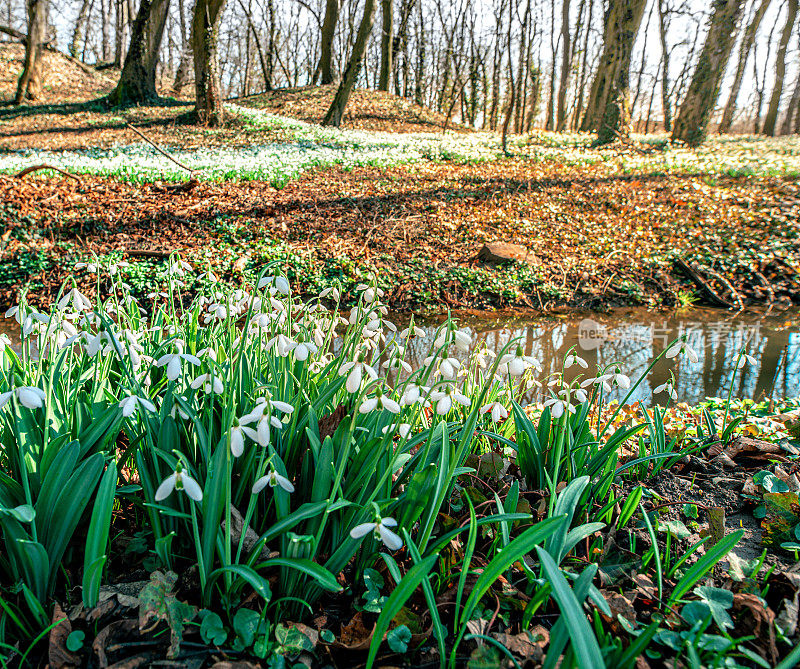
column 66, row 80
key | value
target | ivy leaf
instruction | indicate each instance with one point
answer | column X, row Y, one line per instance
column 157, row 602
column 718, row 601
column 398, row 638
column 212, row 630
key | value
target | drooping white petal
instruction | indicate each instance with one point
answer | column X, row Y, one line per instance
column 362, row 530
column 192, row 488
column 389, row 538
column 166, row 487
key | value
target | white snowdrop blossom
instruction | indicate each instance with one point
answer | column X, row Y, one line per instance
column 369, row 293
column 303, row 350
column 174, row 361
column 518, row 362
column 133, row 403
column 572, row 359
column 681, row 348
column 668, row 388
column 444, row 399
column 77, row 299
column 498, row 411
column 379, row 401
column 746, row 359
column 178, row 480
column 27, row 396
column 209, row 383
column 381, row 532
column 272, row 479
column 179, row 268
column 558, row 407
column 355, row 370
column 402, row 429
column 277, row 284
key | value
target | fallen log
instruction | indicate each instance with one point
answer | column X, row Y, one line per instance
column 693, row 274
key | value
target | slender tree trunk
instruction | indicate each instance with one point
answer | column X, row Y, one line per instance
column 695, row 113
column 566, row 66
column 80, row 29
column 137, row 82
column 387, row 12
column 336, row 111
column 325, row 67
column 185, row 62
column 608, row 107
column 419, row 74
column 746, row 46
column 29, row 86
column 584, row 69
column 791, row 112
column 771, row 120
column 666, row 104
column 205, row 28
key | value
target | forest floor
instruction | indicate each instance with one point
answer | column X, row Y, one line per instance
column 391, row 195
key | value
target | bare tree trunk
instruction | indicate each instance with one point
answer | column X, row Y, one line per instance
column 325, row 67
column 698, row 105
column 566, row 66
column 511, row 86
column 387, row 12
column 608, row 107
column 137, row 82
column 666, row 104
column 80, row 29
column 419, row 74
column 746, row 46
column 336, row 111
column 205, row 28
column 185, row 62
column 771, row 121
column 791, row 112
column 584, row 70
column 29, row 86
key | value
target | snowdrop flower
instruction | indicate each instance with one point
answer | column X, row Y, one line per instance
column 209, row 276
column 173, row 362
column 304, row 349
column 263, row 418
column 210, row 353
column 411, row 394
column 497, row 409
column 134, row 403
column 176, row 411
column 179, row 268
column 209, row 383
column 573, row 358
column 444, row 399
column 272, row 479
column 179, row 481
column 380, row 400
column 5, row 342
column 381, row 531
column 397, row 363
column 355, row 371
column 461, row 339
column 78, row 300
column 369, row 293
column 518, row 362
column 412, row 329
column 668, row 388
column 557, row 407
column 746, row 359
column 330, row 291
column 276, row 284
column 483, row 356
column 283, row 345
column 681, row 348
column 402, row 429
column 237, row 439
column 90, row 267
column 28, row 396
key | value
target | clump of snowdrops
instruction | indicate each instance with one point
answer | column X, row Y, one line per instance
column 268, row 444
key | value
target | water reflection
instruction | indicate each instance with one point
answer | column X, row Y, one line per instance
column 634, row 337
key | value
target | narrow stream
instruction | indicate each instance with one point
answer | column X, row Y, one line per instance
column 633, row 337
